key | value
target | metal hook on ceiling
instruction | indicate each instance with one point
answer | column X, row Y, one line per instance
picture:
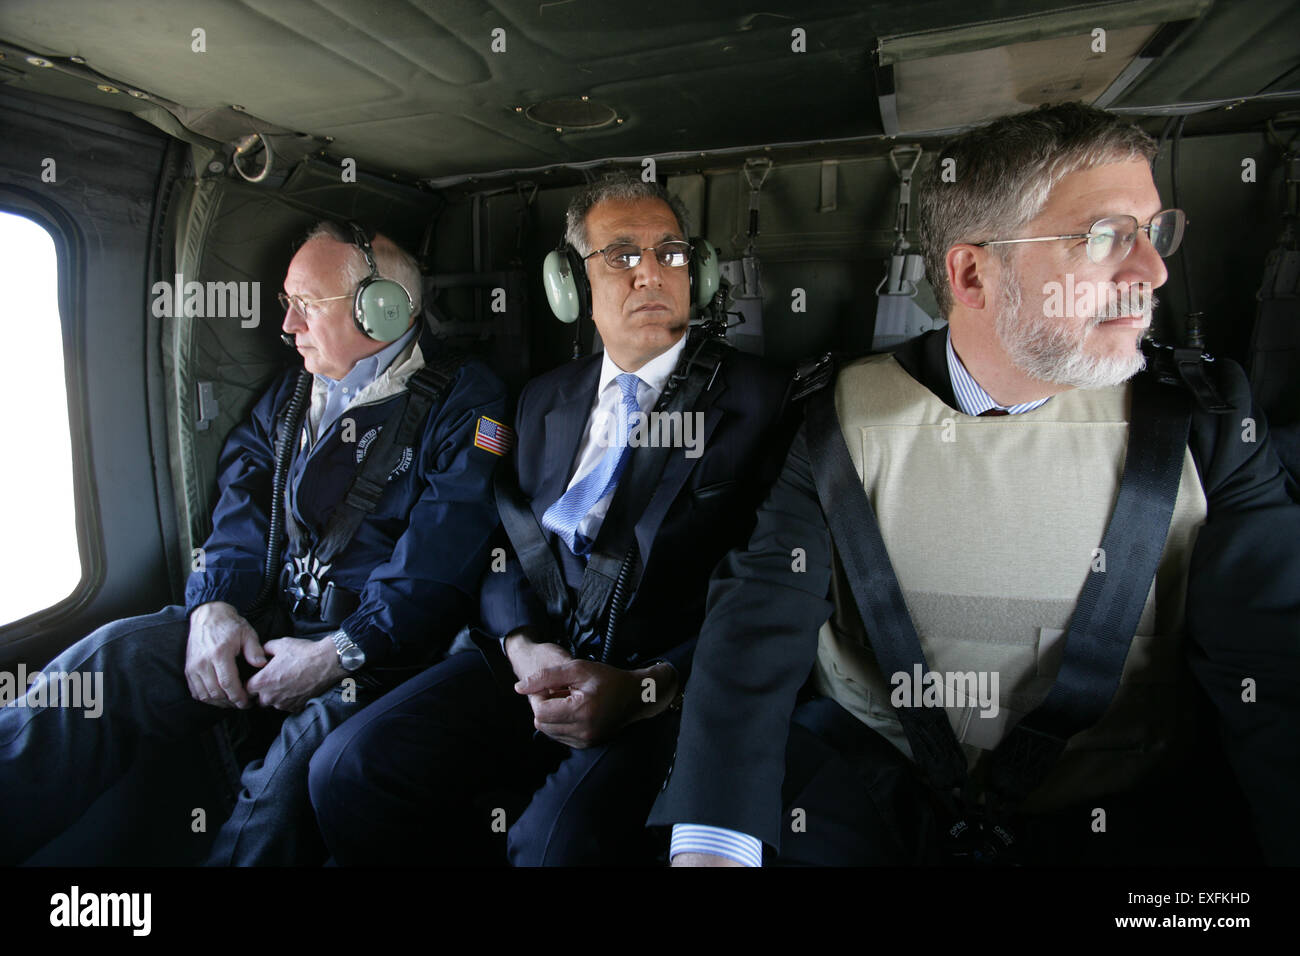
column 247, row 147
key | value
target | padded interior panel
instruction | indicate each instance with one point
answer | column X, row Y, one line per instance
column 414, row 86
column 106, row 171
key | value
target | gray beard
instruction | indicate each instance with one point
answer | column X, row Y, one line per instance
column 1050, row 353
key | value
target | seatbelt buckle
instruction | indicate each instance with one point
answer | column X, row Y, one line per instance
column 978, row 842
column 303, row 581
column 976, row 834
column 811, row 375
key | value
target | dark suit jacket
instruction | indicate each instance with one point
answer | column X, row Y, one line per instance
column 1243, row 620
column 702, row 508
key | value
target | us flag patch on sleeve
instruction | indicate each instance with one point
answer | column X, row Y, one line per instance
column 492, row 436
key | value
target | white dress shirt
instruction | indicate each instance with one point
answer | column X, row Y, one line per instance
column 604, row 415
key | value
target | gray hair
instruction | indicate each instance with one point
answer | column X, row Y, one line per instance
column 1003, row 173
column 391, row 260
column 618, row 187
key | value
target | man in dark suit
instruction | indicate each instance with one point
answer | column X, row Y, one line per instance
column 562, row 733
column 991, row 455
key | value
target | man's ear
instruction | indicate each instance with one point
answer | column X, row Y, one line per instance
column 968, row 275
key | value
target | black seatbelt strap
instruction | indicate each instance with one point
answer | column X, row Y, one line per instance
column 615, row 541
column 876, row 591
column 612, row 551
column 529, row 541
column 1104, row 620
column 1110, row 606
column 424, row 390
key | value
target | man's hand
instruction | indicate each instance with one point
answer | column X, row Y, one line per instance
column 583, row 703
column 528, row 656
column 218, row 633
column 702, row 859
column 298, row 671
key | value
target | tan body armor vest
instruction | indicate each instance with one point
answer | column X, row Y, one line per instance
column 992, row 526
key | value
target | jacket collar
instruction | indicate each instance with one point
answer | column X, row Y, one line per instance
column 567, row 419
column 392, row 380
column 925, row 358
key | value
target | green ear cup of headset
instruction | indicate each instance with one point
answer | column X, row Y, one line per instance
column 561, row 289
column 382, row 309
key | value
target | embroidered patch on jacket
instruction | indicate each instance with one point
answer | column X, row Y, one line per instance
column 492, row 436
column 363, row 447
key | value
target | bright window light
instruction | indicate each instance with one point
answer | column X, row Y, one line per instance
column 40, row 564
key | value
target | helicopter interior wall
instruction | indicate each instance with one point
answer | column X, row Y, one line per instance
column 1232, row 224
column 838, row 257
column 105, row 170
column 110, row 172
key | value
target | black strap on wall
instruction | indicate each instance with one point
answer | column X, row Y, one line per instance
column 1101, row 628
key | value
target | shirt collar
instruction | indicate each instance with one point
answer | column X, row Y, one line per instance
column 972, row 399
column 369, row 368
column 654, row 372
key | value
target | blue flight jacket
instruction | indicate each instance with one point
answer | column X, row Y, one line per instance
column 417, row 560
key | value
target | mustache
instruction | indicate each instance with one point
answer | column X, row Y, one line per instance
column 1144, row 305
column 652, row 298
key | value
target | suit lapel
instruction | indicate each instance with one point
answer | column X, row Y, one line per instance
column 562, row 431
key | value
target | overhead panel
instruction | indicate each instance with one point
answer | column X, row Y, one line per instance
column 939, row 80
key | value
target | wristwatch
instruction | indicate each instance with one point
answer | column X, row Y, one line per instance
column 351, row 657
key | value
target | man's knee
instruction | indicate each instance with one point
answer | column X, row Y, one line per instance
column 592, row 809
column 133, row 641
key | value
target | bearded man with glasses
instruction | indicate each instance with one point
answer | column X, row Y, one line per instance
column 1050, row 598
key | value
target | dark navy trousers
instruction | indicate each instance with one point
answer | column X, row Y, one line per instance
column 852, row 799
column 55, row 761
column 448, row 769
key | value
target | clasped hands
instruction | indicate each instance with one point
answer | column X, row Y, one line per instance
column 291, row 670
column 583, row 703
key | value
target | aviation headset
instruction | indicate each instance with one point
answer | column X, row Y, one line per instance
column 564, row 273
column 382, row 307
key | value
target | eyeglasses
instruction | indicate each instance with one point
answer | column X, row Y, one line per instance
column 1110, row 240
column 626, row 255
column 304, row 305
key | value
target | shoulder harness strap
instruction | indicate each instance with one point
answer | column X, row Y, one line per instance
column 1101, row 628
column 424, row 390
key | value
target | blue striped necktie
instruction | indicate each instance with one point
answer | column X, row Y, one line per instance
column 564, row 516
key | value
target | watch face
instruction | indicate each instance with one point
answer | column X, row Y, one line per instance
column 352, row 658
